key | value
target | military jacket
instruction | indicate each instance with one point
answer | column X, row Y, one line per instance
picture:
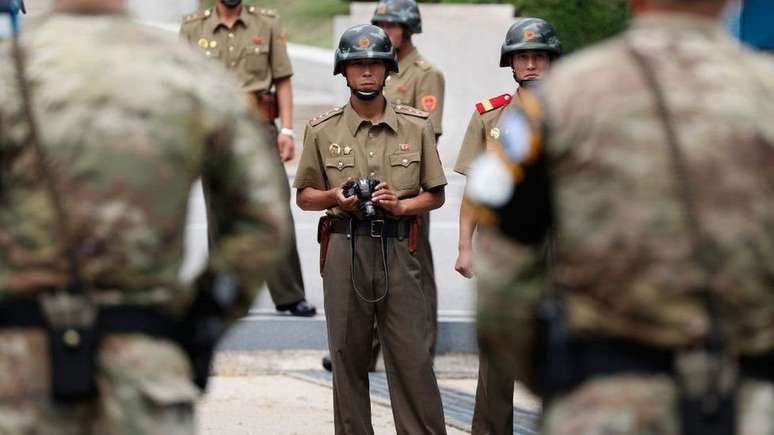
column 623, row 257
column 123, row 159
column 420, row 85
column 483, row 132
column 399, row 150
column 255, row 48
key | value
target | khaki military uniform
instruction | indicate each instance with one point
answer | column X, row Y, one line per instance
column 622, row 259
column 399, row 150
column 420, row 85
column 125, row 159
column 255, row 50
column 493, row 413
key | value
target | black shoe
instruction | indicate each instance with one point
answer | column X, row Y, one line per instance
column 301, row 308
column 327, row 364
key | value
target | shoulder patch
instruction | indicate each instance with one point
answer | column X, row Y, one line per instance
column 319, row 119
column 493, row 103
column 408, row 110
column 198, row 15
column 424, row 65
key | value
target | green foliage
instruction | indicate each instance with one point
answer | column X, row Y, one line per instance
column 579, row 22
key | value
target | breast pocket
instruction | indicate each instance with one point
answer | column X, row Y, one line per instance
column 257, row 61
column 338, row 169
column 405, row 170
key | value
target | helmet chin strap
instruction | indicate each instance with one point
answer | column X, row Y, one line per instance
column 364, row 95
column 527, row 84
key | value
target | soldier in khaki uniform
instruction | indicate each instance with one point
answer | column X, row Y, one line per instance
column 249, row 42
column 370, row 271
column 650, row 309
column 96, row 326
column 530, row 46
column 420, row 85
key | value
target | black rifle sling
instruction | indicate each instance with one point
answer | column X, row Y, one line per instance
column 714, row 412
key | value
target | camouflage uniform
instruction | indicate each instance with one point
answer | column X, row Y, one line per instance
column 124, row 155
column 623, row 262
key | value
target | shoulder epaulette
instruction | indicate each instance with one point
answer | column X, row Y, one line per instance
column 268, row 12
column 408, row 110
column 423, row 64
column 319, row 119
column 198, row 15
column 493, row 103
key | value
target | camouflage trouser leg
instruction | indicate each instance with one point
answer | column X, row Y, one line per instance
column 144, row 385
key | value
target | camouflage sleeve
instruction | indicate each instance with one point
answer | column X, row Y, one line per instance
column 247, row 209
column 280, row 60
column 430, row 95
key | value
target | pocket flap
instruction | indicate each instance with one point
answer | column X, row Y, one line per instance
column 169, row 390
column 404, row 159
column 340, row 162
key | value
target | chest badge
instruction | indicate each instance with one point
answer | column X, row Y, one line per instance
column 335, row 150
column 203, row 43
column 213, row 44
column 402, row 89
column 405, row 147
column 429, row 103
column 347, row 150
column 257, row 40
column 495, row 133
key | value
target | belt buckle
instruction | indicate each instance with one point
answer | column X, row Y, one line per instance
column 377, row 227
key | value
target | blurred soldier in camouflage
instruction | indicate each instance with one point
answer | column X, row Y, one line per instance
column 660, row 272
column 127, row 121
column 530, row 47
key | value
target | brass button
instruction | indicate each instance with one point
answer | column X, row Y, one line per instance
column 371, row 154
column 398, row 107
column 373, row 174
column 231, row 35
column 405, row 162
column 72, row 338
column 208, row 53
column 231, row 48
column 207, row 13
column 341, row 165
column 233, row 63
column 257, row 50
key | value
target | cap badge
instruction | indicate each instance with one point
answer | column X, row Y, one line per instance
column 364, row 43
column 495, row 133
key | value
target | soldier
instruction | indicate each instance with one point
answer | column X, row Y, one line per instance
column 95, row 324
column 249, row 42
column 369, row 236
column 650, row 312
column 420, row 85
column 530, row 46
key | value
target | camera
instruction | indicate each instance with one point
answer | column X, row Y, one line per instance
column 363, row 189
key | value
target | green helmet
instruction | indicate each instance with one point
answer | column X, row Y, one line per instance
column 405, row 12
column 530, row 34
column 365, row 41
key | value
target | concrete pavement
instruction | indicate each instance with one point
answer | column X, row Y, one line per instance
column 284, row 392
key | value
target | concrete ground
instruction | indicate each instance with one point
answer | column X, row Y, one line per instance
column 286, row 392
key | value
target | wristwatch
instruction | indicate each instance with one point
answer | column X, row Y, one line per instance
column 288, row 132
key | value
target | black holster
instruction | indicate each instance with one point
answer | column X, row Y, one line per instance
column 73, row 365
column 552, row 355
column 707, row 383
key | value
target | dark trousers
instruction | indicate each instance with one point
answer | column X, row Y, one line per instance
column 493, row 412
column 402, row 325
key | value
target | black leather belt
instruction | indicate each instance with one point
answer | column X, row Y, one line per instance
column 124, row 319
column 375, row 228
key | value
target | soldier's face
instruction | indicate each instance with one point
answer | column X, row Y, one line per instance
column 366, row 75
column 394, row 31
column 530, row 65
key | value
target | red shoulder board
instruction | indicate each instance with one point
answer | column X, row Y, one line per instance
column 493, row 103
